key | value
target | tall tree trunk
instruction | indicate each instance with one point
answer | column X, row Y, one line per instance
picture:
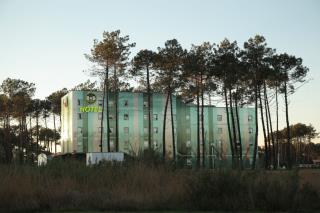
column 271, row 157
column 264, row 132
column 229, row 127
column 172, row 129
column 271, row 132
column 107, row 108
column 288, row 127
column 277, row 128
column 234, row 130
column 198, row 126
column 37, row 132
column 7, row 140
column 202, row 127
column 46, row 141
column 30, row 135
column 116, row 107
column 164, row 128
column 54, row 135
column 257, row 127
column 20, row 140
column 239, row 130
column 25, row 138
column 149, row 108
column 102, row 113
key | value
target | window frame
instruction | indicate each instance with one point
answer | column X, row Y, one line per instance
column 155, row 130
column 155, row 117
column 126, row 116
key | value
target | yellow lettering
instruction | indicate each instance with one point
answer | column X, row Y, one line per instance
column 81, row 109
column 90, row 109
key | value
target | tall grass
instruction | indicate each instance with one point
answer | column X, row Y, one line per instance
column 137, row 185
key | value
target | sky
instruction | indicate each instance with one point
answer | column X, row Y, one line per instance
column 44, row 41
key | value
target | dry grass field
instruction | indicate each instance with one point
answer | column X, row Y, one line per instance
column 139, row 186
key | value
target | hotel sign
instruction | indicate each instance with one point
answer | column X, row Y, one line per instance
column 91, row 99
column 90, row 109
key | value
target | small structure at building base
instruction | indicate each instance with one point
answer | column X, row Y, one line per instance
column 42, row 159
column 93, row 158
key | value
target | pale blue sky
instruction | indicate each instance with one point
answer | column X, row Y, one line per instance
column 44, row 41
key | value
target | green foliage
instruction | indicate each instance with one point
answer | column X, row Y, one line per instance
column 86, row 86
column 112, row 50
column 169, row 64
column 299, row 130
column 48, row 134
column 11, row 87
column 55, row 99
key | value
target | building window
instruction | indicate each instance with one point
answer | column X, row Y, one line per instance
column 99, row 116
column 145, row 130
column 155, row 130
column 145, row 116
column 250, row 118
column 80, row 130
column 219, row 130
column 188, row 144
column 126, row 116
column 189, row 161
column 110, row 117
column 111, row 144
column 126, row 103
column 155, row 144
column 110, row 103
column 126, row 145
column 111, row 130
column 100, row 102
column 146, row 144
column 126, row 130
column 155, row 117
column 145, row 104
column 79, row 103
column 79, row 116
column 250, row 130
column 219, row 117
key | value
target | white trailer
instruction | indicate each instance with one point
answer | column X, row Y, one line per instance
column 93, row 158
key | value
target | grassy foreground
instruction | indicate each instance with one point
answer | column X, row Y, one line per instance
column 136, row 186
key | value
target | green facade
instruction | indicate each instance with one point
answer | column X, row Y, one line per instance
column 81, row 123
